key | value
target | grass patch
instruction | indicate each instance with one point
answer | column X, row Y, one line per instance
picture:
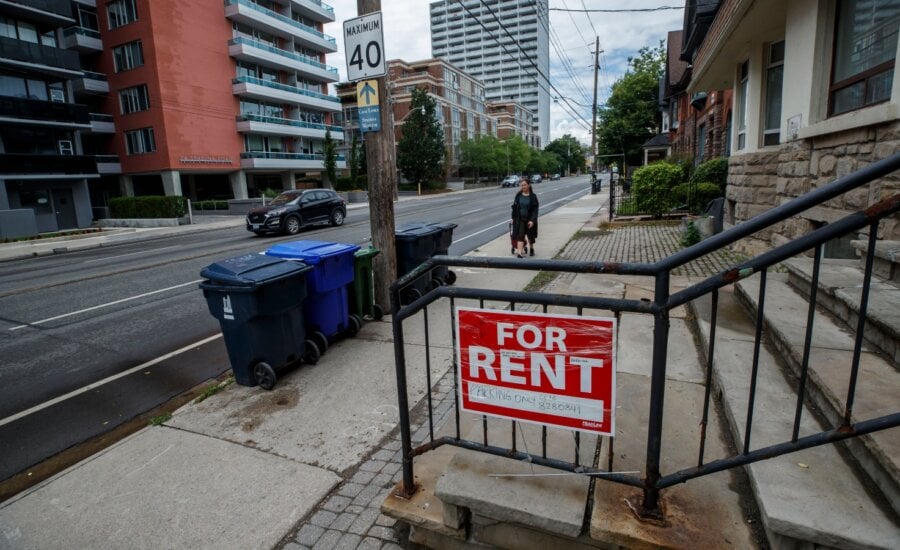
column 213, row 389
column 542, row 279
column 40, row 236
column 161, row 419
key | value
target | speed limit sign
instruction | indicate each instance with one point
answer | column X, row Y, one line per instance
column 364, row 47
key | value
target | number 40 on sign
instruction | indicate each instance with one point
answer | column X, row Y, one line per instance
column 364, row 47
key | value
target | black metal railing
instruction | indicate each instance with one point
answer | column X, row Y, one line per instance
column 663, row 302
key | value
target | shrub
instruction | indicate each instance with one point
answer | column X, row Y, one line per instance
column 691, row 235
column 712, row 171
column 210, row 205
column 696, row 196
column 148, row 207
column 653, row 186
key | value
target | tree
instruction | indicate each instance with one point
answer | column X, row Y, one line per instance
column 420, row 153
column 569, row 151
column 477, row 156
column 631, row 115
column 353, row 160
column 329, row 150
column 518, row 155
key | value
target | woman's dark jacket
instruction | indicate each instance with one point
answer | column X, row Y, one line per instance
column 532, row 215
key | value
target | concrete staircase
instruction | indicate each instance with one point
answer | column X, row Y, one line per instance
column 832, row 496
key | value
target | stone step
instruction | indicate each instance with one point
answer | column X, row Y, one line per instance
column 808, row 499
column 831, row 354
column 840, row 287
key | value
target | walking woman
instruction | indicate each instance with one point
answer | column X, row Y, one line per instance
column 524, row 218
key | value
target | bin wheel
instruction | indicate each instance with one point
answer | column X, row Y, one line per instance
column 435, row 283
column 311, row 353
column 377, row 312
column 264, row 375
column 451, row 278
column 321, row 341
column 413, row 295
column 354, row 324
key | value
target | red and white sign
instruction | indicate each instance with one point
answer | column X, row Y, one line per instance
column 555, row 370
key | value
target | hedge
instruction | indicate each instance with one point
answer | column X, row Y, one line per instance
column 147, row 207
column 653, row 185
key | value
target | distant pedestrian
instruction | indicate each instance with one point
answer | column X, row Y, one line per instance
column 524, row 218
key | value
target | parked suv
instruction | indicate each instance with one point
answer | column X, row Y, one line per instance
column 536, row 178
column 510, row 181
column 291, row 210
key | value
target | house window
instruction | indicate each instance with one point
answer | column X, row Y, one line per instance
column 701, row 144
column 121, row 12
column 675, row 113
column 134, row 99
column 742, row 105
column 128, row 56
column 140, row 141
column 865, row 46
column 774, row 83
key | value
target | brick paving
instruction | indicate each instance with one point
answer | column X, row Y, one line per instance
column 350, row 516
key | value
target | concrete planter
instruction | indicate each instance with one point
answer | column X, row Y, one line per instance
column 357, row 196
column 242, row 206
column 142, row 222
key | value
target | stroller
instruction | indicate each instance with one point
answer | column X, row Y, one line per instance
column 512, row 241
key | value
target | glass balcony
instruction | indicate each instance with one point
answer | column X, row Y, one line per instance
column 248, row 86
column 246, row 49
column 286, row 161
column 261, row 124
column 82, row 39
column 250, row 13
column 108, row 164
column 91, row 83
column 314, row 9
column 39, row 58
column 22, row 111
column 13, row 164
column 102, row 124
column 52, row 12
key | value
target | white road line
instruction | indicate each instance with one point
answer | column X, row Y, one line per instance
column 507, row 221
column 129, row 254
column 107, row 380
column 42, row 321
column 472, row 211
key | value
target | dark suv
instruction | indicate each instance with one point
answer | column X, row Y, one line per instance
column 291, row 210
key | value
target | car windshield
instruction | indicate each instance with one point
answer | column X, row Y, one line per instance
column 283, row 199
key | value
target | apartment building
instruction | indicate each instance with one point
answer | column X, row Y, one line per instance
column 44, row 171
column 461, row 109
column 503, row 43
column 205, row 99
column 514, row 119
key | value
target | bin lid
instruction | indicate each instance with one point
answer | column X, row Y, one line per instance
column 415, row 230
column 251, row 270
column 311, row 252
column 367, row 252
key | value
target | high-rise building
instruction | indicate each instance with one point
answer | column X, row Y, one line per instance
column 205, row 99
column 503, row 43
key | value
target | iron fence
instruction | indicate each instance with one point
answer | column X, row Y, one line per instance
column 653, row 481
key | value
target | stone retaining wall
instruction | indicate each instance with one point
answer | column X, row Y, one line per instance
column 761, row 180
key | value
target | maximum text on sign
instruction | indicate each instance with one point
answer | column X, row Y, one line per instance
column 555, row 370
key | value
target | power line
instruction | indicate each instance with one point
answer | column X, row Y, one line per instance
column 624, row 10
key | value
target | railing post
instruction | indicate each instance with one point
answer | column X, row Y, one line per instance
column 408, row 488
column 649, row 508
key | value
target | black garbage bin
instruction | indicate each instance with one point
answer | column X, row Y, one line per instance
column 415, row 242
column 258, row 301
column 442, row 244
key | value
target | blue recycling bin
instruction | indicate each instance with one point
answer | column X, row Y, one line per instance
column 326, row 308
column 257, row 300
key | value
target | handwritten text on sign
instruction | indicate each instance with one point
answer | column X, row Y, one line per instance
column 557, row 370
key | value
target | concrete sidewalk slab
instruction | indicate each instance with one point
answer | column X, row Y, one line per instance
column 166, row 488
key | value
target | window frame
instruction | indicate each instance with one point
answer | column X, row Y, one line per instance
column 863, row 76
column 770, row 67
column 120, row 13
column 136, row 98
column 143, row 139
column 126, row 52
column 743, row 105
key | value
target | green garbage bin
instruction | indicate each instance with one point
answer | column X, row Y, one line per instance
column 362, row 300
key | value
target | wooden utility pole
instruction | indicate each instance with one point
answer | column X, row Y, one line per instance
column 594, row 151
column 381, row 168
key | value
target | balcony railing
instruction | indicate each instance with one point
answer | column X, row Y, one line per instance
column 283, row 19
column 323, row 5
column 284, row 53
column 284, row 88
column 277, row 155
column 100, row 117
column 56, row 10
column 287, row 122
column 91, row 75
column 81, row 31
column 106, row 159
column 38, row 54
column 12, row 163
column 34, row 109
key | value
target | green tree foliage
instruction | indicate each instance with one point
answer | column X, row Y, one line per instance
column 420, row 152
column 631, row 115
column 478, row 156
column 329, row 150
column 570, row 154
column 712, row 171
column 518, row 153
column 653, row 187
column 353, row 161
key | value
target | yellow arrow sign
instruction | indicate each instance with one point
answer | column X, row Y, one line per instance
column 367, row 93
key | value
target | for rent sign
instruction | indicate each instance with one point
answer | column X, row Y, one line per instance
column 557, row 370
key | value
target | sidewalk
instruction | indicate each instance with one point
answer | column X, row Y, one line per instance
column 253, row 469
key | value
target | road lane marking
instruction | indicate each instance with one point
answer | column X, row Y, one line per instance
column 471, row 211
column 42, row 321
column 106, row 380
column 129, row 254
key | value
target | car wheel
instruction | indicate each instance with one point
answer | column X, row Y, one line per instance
column 292, row 225
column 337, row 217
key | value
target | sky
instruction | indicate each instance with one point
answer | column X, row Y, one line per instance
column 407, row 36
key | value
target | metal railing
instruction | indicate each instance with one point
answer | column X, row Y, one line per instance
column 283, row 53
column 406, row 304
column 284, row 88
column 284, row 19
column 287, row 122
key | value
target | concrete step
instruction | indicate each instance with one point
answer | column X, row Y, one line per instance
column 808, row 499
column 840, row 287
column 831, row 354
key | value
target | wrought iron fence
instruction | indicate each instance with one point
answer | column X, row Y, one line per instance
column 653, row 481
